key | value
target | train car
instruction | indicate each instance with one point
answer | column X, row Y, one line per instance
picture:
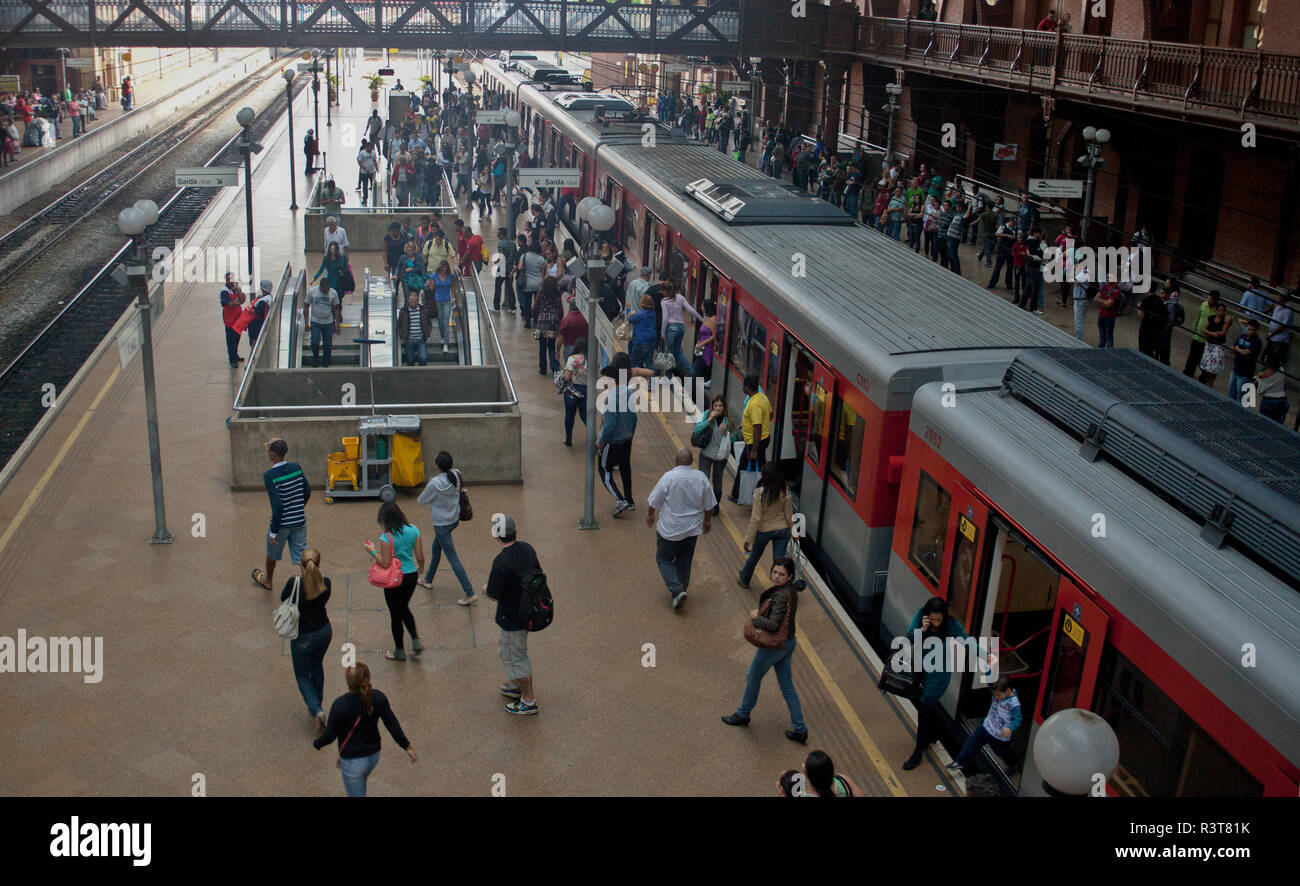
column 839, row 323
column 1132, row 540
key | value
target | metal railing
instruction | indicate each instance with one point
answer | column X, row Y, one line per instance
column 1206, row 80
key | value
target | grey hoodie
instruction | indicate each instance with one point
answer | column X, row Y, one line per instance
column 442, row 495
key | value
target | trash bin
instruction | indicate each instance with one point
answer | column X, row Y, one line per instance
column 408, row 461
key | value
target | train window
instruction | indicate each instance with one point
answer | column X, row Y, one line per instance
column 962, row 573
column 1067, row 666
column 748, row 345
column 817, row 424
column 846, row 449
column 929, row 526
column 1165, row 753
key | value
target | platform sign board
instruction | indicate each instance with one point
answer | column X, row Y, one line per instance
column 1059, row 188
column 676, row 68
column 491, row 118
column 207, row 176
column 549, row 178
column 79, row 62
column 734, row 86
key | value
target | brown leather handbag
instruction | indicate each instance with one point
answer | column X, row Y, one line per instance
column 772, row 639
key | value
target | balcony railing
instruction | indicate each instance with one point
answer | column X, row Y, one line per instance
column 1197, row 80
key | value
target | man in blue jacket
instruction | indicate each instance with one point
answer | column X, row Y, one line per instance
column 617, row 427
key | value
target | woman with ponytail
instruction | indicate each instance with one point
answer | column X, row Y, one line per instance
column 354, row 723
column 314, row 632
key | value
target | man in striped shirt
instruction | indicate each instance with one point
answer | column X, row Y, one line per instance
column 288, row 490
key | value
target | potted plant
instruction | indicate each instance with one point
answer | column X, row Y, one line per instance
column 333, row 88
column 375, row 82
column 426, row 81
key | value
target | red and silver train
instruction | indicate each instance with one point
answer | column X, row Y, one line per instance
column 884, row 370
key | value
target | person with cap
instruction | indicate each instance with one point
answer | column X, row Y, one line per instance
column 636, row 289
column 232, row 306
column 260, row 307
column 288, row 490
column 505, row 585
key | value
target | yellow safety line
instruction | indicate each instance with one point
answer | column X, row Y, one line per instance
column 837, row 695
column 30, row 501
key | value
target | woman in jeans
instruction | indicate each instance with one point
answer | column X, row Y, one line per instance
column 915, row 218
column 784, row 594
column 1271, row 390
column 673, row 308
column 713, row 454
column 354, row 723
column 702, row 367
column 546, row 321
column 575, row 391
column 442, row 497
column 771, row 520
column 441, row 282
column 930, row 225
column 896, row 209
column 399, row 539
column 1107, row 308
column 314, row 632
column 645, row 332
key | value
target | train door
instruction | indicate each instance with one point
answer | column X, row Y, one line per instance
column 1014, row 600
column 720, row 349
column 801, row 431
column 658, row 244
column 1073, row 653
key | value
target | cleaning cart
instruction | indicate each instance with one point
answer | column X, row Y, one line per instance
column 366, row 462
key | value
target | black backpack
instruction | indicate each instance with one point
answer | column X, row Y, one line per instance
column 536, row 607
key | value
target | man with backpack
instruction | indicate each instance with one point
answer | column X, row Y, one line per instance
column 518, row 585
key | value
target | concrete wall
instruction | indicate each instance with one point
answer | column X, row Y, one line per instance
column 407, row 384
column 487, row 448
column 366, row 228
column 36, row 177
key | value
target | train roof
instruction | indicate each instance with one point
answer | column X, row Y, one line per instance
column 1200, row 603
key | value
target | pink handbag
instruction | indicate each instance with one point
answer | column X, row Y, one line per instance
column 389, row 576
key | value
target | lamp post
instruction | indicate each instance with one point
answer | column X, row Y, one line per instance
column 512, row 119
column 328, row 102
column 599, row 218
column 1076, row 753
column 245, row 119
column 315, row 87
column 133, row 222
column 893, row 91
column 1093, row 160
column 293, row 177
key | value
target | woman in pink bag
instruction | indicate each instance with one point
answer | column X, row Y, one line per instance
column 401, row 540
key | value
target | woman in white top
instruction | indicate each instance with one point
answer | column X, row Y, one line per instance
column 575, row 388
column 930, row 224
column 673, row 327
column 554, row 267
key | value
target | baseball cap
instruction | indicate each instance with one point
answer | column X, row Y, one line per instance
column 266, row 286
column 503, row 526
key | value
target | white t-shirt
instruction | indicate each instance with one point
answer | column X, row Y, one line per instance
column 338, row 236
column 681, row 498
column 321, row 304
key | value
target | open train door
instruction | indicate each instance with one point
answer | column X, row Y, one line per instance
column 801, row 433
column 1073, row 653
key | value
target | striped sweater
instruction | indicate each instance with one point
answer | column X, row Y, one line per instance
column 288, row 490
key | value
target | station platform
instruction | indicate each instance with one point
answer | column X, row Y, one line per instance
column 195, row 680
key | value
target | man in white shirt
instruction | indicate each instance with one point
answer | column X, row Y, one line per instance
column 1080, row 296
column 334, row 233
column 680, row 506
column 636, row 289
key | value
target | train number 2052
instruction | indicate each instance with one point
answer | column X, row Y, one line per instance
column 934, row 437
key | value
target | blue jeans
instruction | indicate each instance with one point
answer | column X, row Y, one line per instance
column 1106, row 332
column 764, row 660
column 894, row 229
column 441, row 544
column 321, row 334
column 415, row 351
column 355, row 772
column 641, row 354
column 674, row 560
column 296, row 536
column 673, row 339
column 1275, row 408
column 780, row 540
column 954, row 260
column 1080, row 309
column 1235, row 384
column 574, row 404
column 980, row 737
column 444, row 319
column 308, row 652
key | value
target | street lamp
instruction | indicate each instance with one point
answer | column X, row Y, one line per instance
column 513, row 120
column 133, row 221
column 599, row 218
column 893, row 91
column 1093, row 160
column 1072, row 749
column 293, row 178
column 245, row 119
column 315, row 87
column 328, row 103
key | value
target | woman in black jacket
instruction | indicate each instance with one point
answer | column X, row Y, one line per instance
column 314, row 632
column 354, row 724
column 784, row 596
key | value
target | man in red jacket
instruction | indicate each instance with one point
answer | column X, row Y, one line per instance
column 473, row 254
column 232, row 305
column 1049, row 21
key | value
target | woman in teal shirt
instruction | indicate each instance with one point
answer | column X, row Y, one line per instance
column 934, row 621
column 334, row 266
column 400, row 539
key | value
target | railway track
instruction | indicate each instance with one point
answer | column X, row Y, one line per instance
column 55, row 353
